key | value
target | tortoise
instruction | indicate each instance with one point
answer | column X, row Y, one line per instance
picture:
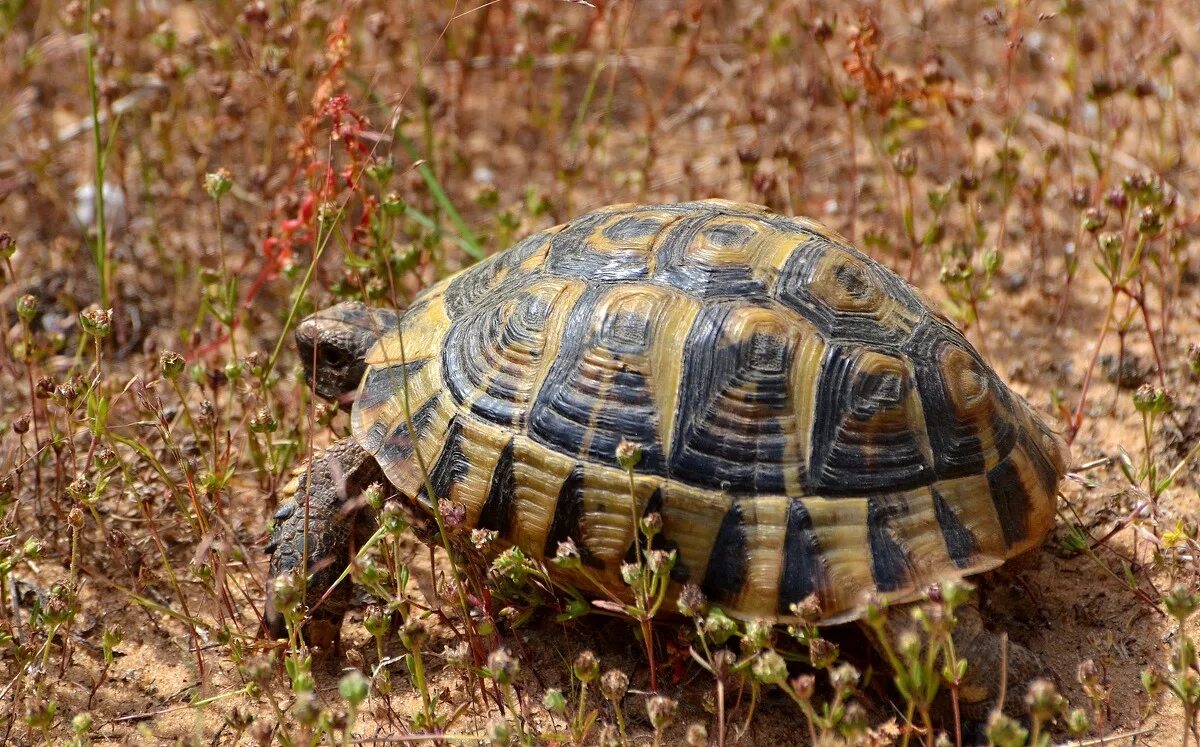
column 808, row 424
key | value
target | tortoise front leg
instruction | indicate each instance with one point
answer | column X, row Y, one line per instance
column 987, row 657
column 323, row 534
column 990, row 660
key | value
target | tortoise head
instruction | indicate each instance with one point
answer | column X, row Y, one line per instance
column 333, row 345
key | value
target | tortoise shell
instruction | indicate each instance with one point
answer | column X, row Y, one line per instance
column 807, row 423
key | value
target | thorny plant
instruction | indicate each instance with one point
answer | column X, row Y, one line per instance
column 247, row 163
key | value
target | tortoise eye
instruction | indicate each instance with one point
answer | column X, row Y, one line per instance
column 331, row 356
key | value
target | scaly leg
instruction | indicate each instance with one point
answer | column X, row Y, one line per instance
column 332, row 486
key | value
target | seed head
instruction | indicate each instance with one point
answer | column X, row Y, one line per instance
column 414, row 634
column 208, row 412
column 1150, row 221
column 482, row 539
column 96, row 322
column 1116, row 199
column 1044, row 701
column 807, row 609
column 757, row 636
column 632, row 573
column 614, row 684
column 844, row 677
column 608, row 736
column 217, row 183
column 503, row 667
column 1094, row 219
column 629, row 455
column 498, row 732
column 287, row 590
column 391, row 519
column 661, row 710
column 697, row 735
column 905, row 162
column 554, row 700
column 854, row 722
column 822, row 30
column 105, row 457
column 651, row 524
column 376, row 621
column 587, row 667
column 660, row 561
column 27, row 307
column 1086, row 674
column 1004, row 731
column 822, row 653
column 567, row 557
column 373, row 496
column 718, row 626
column 44, row 389
column 1153, row 400
column 691, row 601
column 769, row 668
column 354, row 687
column 263, row 421
column 804, row 685
column 1078, row 722
column 1181, row 603
column 170, row 364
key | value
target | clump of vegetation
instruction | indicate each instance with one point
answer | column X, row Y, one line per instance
column 183, row 182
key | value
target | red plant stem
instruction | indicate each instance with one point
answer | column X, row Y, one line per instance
column 1077, row 418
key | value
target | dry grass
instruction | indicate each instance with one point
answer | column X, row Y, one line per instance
column 1029, row 164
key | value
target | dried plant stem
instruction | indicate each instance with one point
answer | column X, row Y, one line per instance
column 100, row 248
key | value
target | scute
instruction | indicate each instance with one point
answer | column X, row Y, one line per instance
column 868, row 432
column 807, row 424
